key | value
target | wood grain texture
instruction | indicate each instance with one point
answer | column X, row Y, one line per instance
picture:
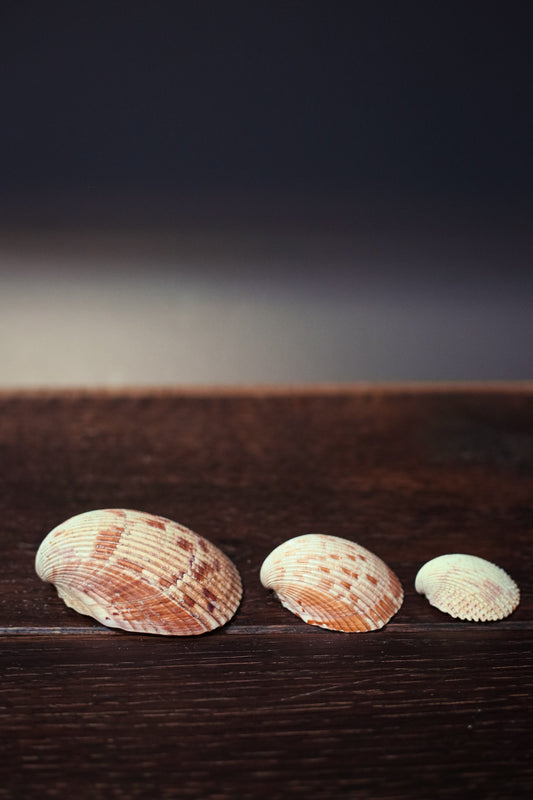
column 267, row 706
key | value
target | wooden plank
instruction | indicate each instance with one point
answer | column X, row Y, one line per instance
column 267, row 706
column 382, row 715
column 407, row 476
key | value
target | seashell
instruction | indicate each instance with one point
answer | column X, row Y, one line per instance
column 140, row 572
column 332, row 583
column 468, row 587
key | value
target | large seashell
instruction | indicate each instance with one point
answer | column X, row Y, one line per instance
column 332, row 583
column 468, row 587
column 140, row 572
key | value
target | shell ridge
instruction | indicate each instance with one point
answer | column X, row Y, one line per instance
column 332, row 582
column 468, row 587
column 140, row 572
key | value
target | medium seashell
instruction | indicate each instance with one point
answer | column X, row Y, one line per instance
column 332, row 583
column 468, row 587
column 139, row 572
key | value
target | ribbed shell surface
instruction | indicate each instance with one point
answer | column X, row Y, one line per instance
column 468, row 587
column 140, row 572
column 333, row 583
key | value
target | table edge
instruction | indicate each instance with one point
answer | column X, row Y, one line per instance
column 273, row 390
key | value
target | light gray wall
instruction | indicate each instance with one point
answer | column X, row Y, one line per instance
column 237, row 305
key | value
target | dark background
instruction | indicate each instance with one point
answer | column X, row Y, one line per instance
column 265, row 191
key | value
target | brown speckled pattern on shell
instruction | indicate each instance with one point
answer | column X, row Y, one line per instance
column 333, row 583
column 468, row 587
column 140, row 572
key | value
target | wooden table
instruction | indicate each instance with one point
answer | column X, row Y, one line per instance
column 267, row 706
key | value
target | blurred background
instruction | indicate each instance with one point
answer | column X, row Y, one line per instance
column 265, row 192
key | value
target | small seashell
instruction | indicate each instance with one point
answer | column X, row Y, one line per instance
column 468, row 587
column 332, row 583
column 140, row 572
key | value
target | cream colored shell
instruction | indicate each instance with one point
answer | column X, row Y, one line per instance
column 140, row 572
column 333, row 583
column 468, row 587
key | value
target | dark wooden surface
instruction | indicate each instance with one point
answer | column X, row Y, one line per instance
column 267, row 706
